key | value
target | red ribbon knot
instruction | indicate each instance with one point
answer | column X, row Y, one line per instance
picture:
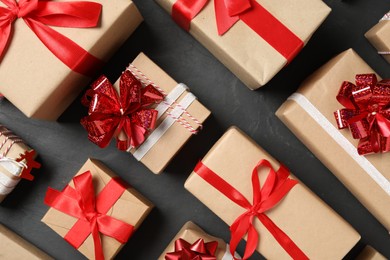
column 199, row 250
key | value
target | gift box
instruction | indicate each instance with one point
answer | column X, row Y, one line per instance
column 56, row 47
column 261, row 37
column 96, row 231
column 16, row 161
column 370, row 253
column 309, row 114
column 226, row 181
column 15, row 247
column 149, row 113
column 379, row 36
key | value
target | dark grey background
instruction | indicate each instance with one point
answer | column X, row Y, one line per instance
column 63, row 146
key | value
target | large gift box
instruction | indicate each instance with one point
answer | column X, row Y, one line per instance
column 379, row 36
column 370, row 253
column 14, row 247
column 256, row 39
column 128, row 111
column 96, row 212
column 278, row 208
column 42, row 72
column 309, row 114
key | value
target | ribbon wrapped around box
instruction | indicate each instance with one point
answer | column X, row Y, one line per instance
column 286, row 219
column 309, row 114
column 379, row 36
column 97, row 212
column 50, row 49
column 370, row 253
column 254, row 39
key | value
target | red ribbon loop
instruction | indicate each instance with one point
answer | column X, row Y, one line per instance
column 276, row 186
column 198, row 250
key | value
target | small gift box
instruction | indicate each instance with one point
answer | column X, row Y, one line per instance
column 370, row 253
column 15, row 247
column 16, row 161
column 55, row 47
column 149, row 114
column 281, row 217
column 310, row 115
column 255, row 39
column 96, row 212
column 379, row 36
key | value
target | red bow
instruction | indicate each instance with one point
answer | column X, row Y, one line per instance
column 80, row 202
column 199, row 250
column 275, row 188
column 39, row 14
column 366, row 112
column 29, row 156
column 109, row 113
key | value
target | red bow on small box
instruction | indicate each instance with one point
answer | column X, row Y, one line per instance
column 366, row 112
column 109, row 114
column 199, row 250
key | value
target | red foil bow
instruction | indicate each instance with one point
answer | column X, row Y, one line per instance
column 109, row 113
column 228, row 12
column 276, row 186
column 80, row 202
column 199, row 250
column 39, row 15
column 366, row 112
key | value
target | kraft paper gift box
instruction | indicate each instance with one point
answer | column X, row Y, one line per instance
column 14, row 247
column 336, row 148
column 370, row 253
column 131, row 208
column 310, row 223
column 379, row 36
column 249, row 56
column 42, row 86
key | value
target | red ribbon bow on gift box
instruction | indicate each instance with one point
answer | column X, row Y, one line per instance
column 366, row 112
column 109, row 113
column 276, row 186
column 80, row 202
column 199, row 250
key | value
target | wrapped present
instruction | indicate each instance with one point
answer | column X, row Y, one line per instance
column 15, row 247
column 309, row 113
column 370, row 253
column 96, row 212
column 56, row 47
column 16, row 161
column 255, row 39
column 281, row 217
column 149, row 114
column 379, row 36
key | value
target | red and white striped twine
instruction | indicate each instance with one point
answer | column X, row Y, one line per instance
column 8, row 136
column 386, row 17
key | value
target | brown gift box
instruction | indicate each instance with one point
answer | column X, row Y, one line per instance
column 370, row 253
column 14, row 247
column 321, row 89
column 38, row 83
column 379, row 37
column 131, row 208
column 242, row 50
column 314, row 227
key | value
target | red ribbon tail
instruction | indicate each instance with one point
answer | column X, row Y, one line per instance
column 183, row 11
column 99, row 254
column 5, row 33
column 224, row 20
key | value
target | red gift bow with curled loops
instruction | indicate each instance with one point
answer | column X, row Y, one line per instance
column 80, row 202
column 366, row 112
column 109, row 113
column 276, row 186
column 40, row 14
column 199, row 250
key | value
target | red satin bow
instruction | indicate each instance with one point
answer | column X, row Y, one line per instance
column 199, row 250
column 38, row 15
column 276, row 186
column 80, row 202
column 109, row 113
column 366, row 112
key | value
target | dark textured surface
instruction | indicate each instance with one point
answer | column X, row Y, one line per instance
column 63, row 146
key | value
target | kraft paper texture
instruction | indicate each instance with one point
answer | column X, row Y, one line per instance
column 379, row 37
column 370, row 253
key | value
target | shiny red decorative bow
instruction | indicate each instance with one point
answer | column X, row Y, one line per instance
column 276, row 186
column 109, row 113
column 199, row 250
column 366, row 112
column 80, row 202
column 38, row 15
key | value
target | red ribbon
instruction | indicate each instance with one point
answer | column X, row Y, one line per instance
column 39, row 15
column 80, row 202
column 29, row 156
column 366, row 112
column 276, row 186
column 228, row 12
column 199, row 250
column 109, row 113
